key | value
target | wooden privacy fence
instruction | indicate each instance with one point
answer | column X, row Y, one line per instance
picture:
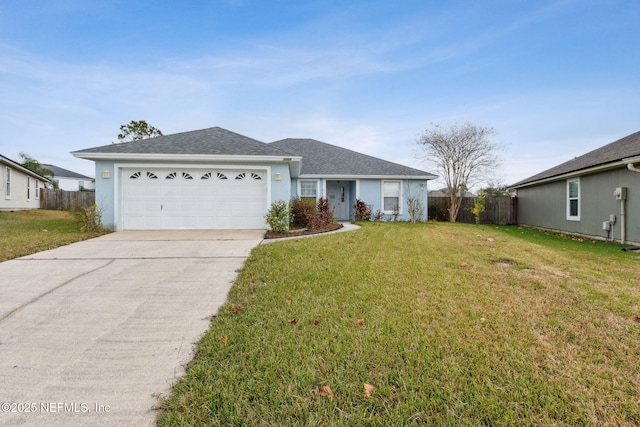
column 56, row 199
column 497, row 211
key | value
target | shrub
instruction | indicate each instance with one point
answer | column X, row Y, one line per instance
column 363, row 211
column 301, row 211
column 478, row 206
column 278, row 217
column 325, row 214
column 89, row 218
column 378, row 216
column 415, row 208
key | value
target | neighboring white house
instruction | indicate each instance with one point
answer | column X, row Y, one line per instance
column 70, row 181
column 19, row 186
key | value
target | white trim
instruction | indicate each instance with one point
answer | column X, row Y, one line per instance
column 299, row 187
column 568, row 200
column 185, row 157
column 119, row 167
column 400, row 199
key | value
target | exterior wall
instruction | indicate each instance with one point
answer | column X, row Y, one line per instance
column 18, row 199
column 545, row 205
column 108, row 176
column 370, row 191
column 73, row 184
column 371, row 194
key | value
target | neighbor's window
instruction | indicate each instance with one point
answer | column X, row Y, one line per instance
column 37, row 189
column 573, row 199
column 8, row 184
column 391, row 195
column 308, row 190
column 28, row 188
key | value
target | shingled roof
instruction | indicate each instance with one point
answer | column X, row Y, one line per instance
column 322, row 159
column 610, row 154
column 211, row 141
column 64, row 173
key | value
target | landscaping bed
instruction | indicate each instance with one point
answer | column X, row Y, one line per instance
column 304, row 232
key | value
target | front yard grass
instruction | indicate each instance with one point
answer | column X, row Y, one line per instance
column 400, row 324
column 26, row 232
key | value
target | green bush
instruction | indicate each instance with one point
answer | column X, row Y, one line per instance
column 278, row 217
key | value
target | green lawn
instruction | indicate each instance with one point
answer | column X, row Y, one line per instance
column 451, row 324
column 26, row 232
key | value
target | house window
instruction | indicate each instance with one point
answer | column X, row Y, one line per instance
column 8, row 184
column 37, row 189
column 80, row 185
column 391, row 196
column 309, row 190
column 573, row 199
column 28, row 188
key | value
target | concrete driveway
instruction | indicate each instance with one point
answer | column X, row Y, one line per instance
column 91, row 332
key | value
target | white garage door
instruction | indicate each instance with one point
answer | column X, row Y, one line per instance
column 179, row 199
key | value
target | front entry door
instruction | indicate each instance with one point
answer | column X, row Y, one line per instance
column 338, row 195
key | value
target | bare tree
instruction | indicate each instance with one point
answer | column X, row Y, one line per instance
column 462, row 154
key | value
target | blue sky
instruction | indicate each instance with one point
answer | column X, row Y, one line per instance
column 555, row 79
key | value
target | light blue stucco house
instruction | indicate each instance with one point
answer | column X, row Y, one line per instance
column 217, row 179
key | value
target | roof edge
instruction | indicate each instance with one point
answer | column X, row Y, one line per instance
column 185, row 157
column 23, row 169
column 580, row 172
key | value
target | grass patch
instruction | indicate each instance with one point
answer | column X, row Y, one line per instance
column 30, row 231
column 450, row 323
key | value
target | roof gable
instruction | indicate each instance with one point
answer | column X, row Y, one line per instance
column 322, row 159
column 612, row 153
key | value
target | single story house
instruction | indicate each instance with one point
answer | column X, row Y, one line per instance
column 216, row 179
column 595, row 195
column 19, row 186
column 70, row 181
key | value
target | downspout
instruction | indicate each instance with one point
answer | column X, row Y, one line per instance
column 623, row 227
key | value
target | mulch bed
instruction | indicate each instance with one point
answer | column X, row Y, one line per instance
column 297, row 233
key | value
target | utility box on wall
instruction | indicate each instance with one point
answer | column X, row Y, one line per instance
column 620, row 193
column 606, row 226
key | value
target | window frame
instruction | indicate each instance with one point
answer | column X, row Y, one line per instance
column 37, row 189
column 28, row 188
column 576, row 199
column 399, row 184
column 315, row 186
column 7, row 183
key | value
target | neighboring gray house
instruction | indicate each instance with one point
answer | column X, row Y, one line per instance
column 595, row 195
column 19, row 186
column 214, row 178
column 70, row 181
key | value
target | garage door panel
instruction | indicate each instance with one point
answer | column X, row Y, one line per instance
column 193, row 199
